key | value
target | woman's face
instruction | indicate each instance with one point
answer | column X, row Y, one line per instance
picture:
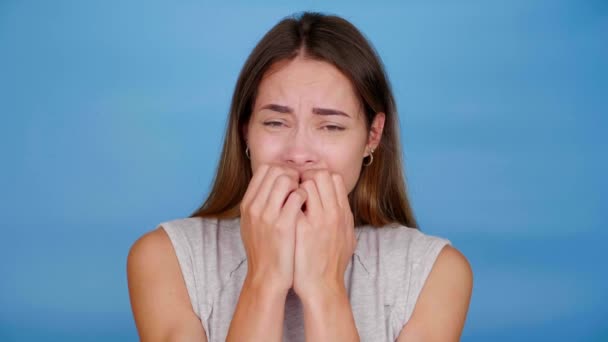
column 307, row 116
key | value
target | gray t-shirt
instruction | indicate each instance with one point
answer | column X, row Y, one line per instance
column 383, row 278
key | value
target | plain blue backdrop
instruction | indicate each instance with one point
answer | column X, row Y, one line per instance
column 113, row 115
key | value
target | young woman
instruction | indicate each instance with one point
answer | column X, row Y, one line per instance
column 307, row 232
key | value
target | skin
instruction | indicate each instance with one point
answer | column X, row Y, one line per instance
column 302, row 139
column 296, row 227
column 307, row 138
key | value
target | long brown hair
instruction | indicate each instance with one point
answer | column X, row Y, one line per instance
column 380, row 196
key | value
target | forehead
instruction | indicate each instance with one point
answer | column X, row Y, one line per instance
column 304, row 81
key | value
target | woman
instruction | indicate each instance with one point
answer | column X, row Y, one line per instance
column 307, row 231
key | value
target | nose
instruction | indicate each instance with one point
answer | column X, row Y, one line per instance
column 300, row 152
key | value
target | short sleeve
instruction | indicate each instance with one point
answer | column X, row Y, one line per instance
column 422, row 254
column 184, row 254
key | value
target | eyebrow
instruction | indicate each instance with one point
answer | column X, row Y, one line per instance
column 315, row 110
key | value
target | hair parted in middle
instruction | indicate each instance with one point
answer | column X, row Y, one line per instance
column 380, row 195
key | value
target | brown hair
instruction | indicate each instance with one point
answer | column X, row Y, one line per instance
column 379, row 197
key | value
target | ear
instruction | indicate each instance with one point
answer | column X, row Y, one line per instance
column 375, row 132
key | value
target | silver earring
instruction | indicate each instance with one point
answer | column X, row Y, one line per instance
column 247, row 152
column 371, row 158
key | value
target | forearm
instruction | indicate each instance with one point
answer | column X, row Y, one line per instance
column 258, row 315
column 328, row 316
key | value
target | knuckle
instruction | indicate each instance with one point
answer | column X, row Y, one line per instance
column 297, row 195
column 280, row 221
column 306, row 186
column 294, row 172
column 284, row 180
column 332, row 216
column 266, row 217
column 318, row 175
column 291, row 174
column 272, row 171
column 254, row 211
column 321, row 176
column 279, row 226
column 283, row 184
column 307, row 183
column 280, row 230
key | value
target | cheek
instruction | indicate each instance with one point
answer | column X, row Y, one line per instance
column 347, row 164
column 266, row 149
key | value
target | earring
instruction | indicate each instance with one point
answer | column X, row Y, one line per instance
column 371, row 158
column 247, row 152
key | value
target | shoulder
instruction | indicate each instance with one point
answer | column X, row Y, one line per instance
column 440, row 311
column 451, row 272
column 206, row 248
column 195, row 226
column 189, row 225
column 197, row 233
column 149, row 246
column 153, row 249
column 158, row 295
column 452, row 262
column 150, row 251
column 165, row 257
column 404, row 258
column 399, row 242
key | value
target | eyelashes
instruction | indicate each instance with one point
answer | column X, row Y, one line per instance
column 273, row 123
column 331, row 128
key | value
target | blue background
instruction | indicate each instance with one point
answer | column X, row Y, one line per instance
column 113, row 114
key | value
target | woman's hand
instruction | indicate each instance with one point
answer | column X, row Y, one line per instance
column 269, row 212
column 325, row 237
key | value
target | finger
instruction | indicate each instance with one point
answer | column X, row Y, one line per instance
column 341, row 195
column 261, row 198
column 292, row 206
column 313, row 202
column 255, row 183
column 283, row 185
column 327, row 191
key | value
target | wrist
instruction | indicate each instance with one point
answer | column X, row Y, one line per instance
column 266, row 287
column 328, row 315
column 322, row 294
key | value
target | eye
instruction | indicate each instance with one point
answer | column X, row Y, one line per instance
column 273, row 123
column 333, row 128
